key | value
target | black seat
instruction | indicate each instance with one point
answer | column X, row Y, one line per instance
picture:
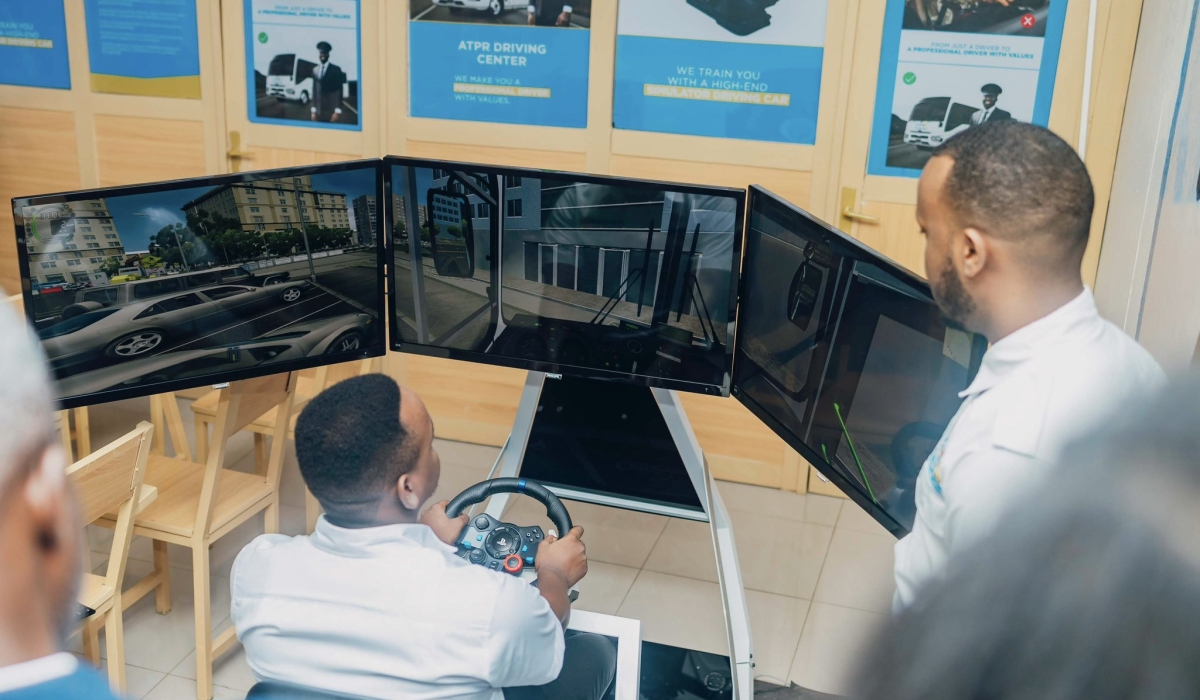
column 274, row 690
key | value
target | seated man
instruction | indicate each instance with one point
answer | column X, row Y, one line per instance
column 376, row 602
column 40, row 534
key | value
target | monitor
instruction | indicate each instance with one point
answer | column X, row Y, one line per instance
column 150, row 288
column 845, row 355
column 598, row 277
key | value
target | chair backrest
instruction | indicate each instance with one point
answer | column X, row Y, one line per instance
column 109, row 480
column 239, row 405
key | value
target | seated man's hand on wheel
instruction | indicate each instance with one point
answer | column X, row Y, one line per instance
column 565, row 558
column 446, row 528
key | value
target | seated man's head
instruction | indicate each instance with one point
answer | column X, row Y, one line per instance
column 1006, row 208
column 365, row 448
column 39, row 525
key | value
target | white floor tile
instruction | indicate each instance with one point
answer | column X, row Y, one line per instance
column 858, row 571
column 823, row 510
column 291, row 483
column 831, row 647
column 456, row 477
column 764, row 501
column 855, row 518
column 682, row 612
column 140, row 681
column 685, row 548
column 776, row 623
column 176, row 688
column 466, row 454
column 612, row 535
column 780, row 556
column 230, row 671
column 605, row 587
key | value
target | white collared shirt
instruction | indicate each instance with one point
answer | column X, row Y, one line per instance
column 389, row 612
column 38, row 671
column 1038, row 390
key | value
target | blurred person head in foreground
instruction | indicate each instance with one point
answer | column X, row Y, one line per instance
column 40, row 532
column 1090, row 590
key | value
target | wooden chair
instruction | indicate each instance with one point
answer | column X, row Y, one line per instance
column 77, row 434
column 200, row 503
column 204, row 410
column 109, row 483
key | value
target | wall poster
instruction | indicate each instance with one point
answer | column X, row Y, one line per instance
column 33, row 44
column 144, row 47
column 947, row 65
column 742, row 69
column 302, row 63
column 509, row 61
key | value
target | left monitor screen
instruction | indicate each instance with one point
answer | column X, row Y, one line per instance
column 150, row 288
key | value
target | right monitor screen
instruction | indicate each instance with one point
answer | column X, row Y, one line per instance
column 845, row 355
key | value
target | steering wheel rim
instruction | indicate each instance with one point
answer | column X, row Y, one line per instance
column 478, row 493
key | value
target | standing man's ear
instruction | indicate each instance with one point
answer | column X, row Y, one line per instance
column 47, row 497
column 975, row 252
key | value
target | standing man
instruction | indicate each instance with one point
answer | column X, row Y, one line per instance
column 1005, row 209
column 549, row 13
column 328, row 80
column 990, row 113
column 40, row 543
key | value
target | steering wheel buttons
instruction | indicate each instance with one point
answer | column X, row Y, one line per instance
column 494, row 565
column 529, row 561
column 477, row 556
column 478, row 538
column 524, row 548
column 482, row 523
column 513, row 564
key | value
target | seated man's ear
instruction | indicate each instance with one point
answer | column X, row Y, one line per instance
column 50, row 502
column 409, row 492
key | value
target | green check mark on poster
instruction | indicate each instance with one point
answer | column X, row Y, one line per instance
column 262, row 37
column 910, row 78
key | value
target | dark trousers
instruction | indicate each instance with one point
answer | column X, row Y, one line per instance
column 589, row 666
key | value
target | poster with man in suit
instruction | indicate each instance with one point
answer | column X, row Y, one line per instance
column 303, row 62
column 990, row 112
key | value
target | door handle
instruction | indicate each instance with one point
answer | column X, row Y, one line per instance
column 235, row 152
column 849, row 202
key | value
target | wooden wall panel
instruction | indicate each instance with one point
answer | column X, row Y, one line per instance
column 137, row 149
column 39, row 154
column 793, row 185
column 518, row 157
column 738, row 446
column 262, row 158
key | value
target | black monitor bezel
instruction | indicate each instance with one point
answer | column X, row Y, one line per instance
column 18, row 203
column 846, row 486
column 739, row 195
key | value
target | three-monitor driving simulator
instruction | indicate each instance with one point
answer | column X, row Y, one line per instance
column 606, row 278
column 846, row 357
column 150, row 288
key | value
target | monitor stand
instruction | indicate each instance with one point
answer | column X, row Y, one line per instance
column 630, row 447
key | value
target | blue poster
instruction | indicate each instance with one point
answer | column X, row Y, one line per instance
column 303, row 60
column 144, row 47
column 524, row 63
column 729, row 70
column 33, row 44
column 947, row 66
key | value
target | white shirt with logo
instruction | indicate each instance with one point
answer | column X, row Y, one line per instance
column 1038, row 390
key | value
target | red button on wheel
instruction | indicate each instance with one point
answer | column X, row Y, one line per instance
column 513, row 564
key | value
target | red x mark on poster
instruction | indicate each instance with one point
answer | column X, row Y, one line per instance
column 1028, row 21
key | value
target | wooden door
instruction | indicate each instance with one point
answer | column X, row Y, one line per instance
column 887, row 205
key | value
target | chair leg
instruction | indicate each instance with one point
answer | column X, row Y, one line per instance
column 162, row 569
column 91, row 643
column 260, row 454
column 201, row 440
column 204, row 640
column 271, row 516
column 114, row 635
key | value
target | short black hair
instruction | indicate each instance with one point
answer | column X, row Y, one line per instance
column 351, row 445
column 1021, row 182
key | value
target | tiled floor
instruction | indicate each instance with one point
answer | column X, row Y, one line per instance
column 817, row 572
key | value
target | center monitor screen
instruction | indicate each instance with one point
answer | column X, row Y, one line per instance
column 151, row 288
column 845, row 355
column 597, row 277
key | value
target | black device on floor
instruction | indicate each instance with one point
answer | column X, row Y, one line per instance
column 237, row 276
column 608, row 278
column 844, row 354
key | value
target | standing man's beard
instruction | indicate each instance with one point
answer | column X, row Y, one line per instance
column 952, row 298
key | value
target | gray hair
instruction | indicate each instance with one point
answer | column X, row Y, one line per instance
column 1090, row 590
column 26, row 402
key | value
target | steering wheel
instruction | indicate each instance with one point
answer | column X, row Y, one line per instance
column 503, row 546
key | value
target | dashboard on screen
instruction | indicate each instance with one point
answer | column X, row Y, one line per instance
column 596, row 277
column 845, row 355
column 150, row 288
